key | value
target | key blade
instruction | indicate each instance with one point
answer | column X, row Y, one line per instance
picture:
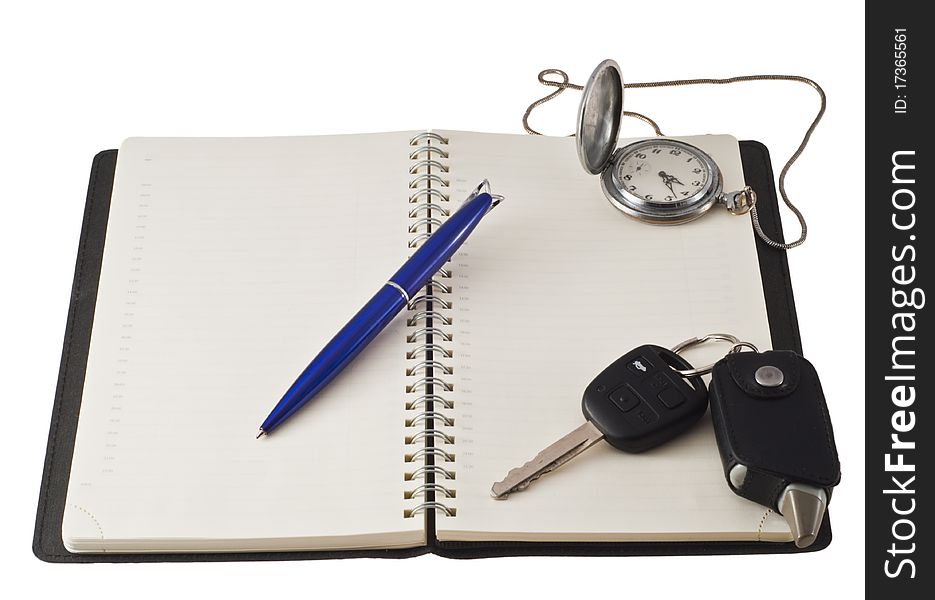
column 548, row 460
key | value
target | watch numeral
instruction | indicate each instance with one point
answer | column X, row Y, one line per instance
column 640, row 155
column 649, row 196
column 685, row 193
column 632, row 188
column 675, row 152
column 657, row 150
column 696, row 171
column 696, row 183
column 627, row 177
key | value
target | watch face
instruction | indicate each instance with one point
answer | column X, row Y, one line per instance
column 663, row 172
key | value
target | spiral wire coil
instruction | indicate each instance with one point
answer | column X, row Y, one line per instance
column 429, row 440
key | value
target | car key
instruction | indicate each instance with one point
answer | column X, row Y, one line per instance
column 637, row 403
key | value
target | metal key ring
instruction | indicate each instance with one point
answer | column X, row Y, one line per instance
column 739, row 345
column 736, row 346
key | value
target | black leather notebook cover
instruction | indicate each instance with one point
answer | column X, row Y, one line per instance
column 47, row 541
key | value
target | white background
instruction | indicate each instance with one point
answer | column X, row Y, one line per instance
column 76, row 78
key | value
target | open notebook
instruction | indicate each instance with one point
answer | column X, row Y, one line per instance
column 229, row 263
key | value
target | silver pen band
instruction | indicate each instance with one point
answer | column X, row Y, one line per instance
column 401, row 290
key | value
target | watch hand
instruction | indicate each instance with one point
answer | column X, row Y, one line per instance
column 668, row 180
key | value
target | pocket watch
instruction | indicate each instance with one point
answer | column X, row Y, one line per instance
column 656, row 180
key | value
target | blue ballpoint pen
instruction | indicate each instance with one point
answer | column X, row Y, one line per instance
column 384, row 306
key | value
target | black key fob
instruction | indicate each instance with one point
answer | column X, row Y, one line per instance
column 640, row 402
column 774, row 435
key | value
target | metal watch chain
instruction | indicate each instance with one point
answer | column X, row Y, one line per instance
column 565, row 84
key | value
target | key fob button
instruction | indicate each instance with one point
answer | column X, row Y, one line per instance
column 640, row 366
column 645, row 414
column 657, row 382
column 624, row 398
column 671, row 397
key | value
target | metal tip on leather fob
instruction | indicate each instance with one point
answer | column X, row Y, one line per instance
column 803, row 507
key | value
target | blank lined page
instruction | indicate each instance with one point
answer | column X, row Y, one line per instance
column 228, row 264
column 552, row 287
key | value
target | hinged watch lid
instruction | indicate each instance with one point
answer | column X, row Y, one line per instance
column 599, row 117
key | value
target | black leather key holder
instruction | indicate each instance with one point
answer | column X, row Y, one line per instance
column 774, row 435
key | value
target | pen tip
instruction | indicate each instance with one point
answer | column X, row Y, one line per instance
column 261, row 434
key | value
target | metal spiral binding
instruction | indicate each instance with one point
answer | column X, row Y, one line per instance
column 429, row 439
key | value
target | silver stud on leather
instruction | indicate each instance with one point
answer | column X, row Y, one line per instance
column 769, row 376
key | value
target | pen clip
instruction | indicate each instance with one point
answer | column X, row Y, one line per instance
column 484, row 188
